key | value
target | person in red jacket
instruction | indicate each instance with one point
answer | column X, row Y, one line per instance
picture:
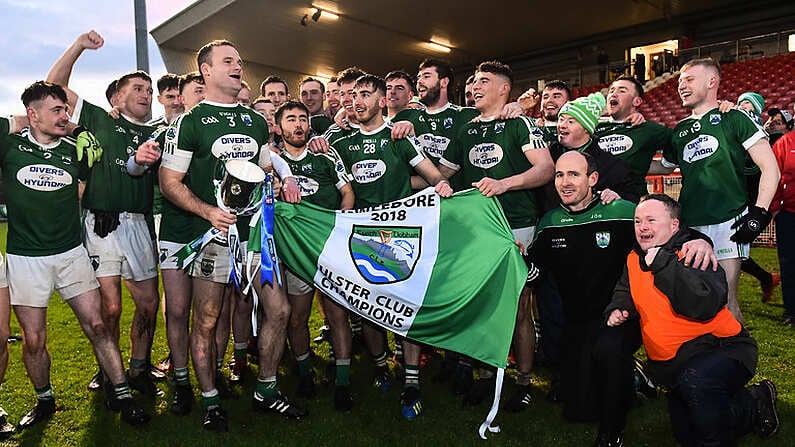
column 696, row 347
column 783, row 207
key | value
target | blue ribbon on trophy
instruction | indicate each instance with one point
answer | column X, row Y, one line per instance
column 269, row 259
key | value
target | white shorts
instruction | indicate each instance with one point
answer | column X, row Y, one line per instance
column 213, row 263
column 167, row 251
column 156, row 218
column 296, row 285
column 524, row 236
column 3, row 279
column 32, row 279
column 127, row 251
column 724, row 247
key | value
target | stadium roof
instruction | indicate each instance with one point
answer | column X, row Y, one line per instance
column 383, row 35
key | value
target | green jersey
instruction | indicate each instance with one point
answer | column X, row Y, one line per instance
column 436, row 128
column 550, row 132
column 40, row 184
column 381, row 167
column 710, row 151
column 496, row 149
column 109, row 186
column 203, row 139
column 319, row 177
column 636, row 145
column 319, row 124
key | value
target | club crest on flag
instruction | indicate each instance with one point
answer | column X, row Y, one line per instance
column 602, row 239
column 385, row 254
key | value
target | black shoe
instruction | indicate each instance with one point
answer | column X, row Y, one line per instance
column 609, row 440
column 325, row 334
column 6, row 428
column 156, row 374
column 462, row 379
column 183, row 400
column 520, row 399
column 343, row 402
column 306, row 386
column 142, row 383
column 766, row 420
column 43, row 411
column 215, row 420
column 95, row 384
column 280, row 405
column 643, row 383
column 480, row 391
column 132, row 413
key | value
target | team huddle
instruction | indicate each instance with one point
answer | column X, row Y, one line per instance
column 97, row 197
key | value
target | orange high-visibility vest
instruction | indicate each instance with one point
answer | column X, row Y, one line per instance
column 663, row 330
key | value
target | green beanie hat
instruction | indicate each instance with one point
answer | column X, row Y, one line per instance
column 586, row 110
column 754, row 98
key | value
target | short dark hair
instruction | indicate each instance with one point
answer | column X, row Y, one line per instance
column 272, row 79
column 42, row 89
column 470, row 79
column 350, row 74
column 673, row 207
column 204, row 53
column 166, row 82
column 703, row 62
column 496, row 67
column 634, row 81
column 557, row 84
column 187, row 78
column 289, row 105
column 113, row 87
column 311, row 79
column 443, row 69
column 332, row 79
column 373, row 81
column 400, row 74
column 138, row 74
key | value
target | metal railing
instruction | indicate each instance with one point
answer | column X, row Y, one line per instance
column 672, row 184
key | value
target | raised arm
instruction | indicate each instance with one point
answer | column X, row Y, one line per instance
column 61, row 71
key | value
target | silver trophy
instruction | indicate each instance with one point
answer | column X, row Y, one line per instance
column 240, row 191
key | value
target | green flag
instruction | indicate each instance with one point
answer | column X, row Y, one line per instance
column 445, row 272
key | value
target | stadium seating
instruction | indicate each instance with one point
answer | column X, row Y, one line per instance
column 769, row 76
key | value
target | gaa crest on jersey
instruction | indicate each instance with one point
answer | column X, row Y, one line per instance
column 171, row 132
column 385, row 254
column 235, row 147
column 499, row 127
column 43, row 177
column 246, row 118
column 602, row 239
column 699, row 148
column 485, row 155
column 307, row 186
column 448, row 123
column 368, row 171
column 537, row 132
column 207, row 267
column 615, row 144
column 714, row 119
